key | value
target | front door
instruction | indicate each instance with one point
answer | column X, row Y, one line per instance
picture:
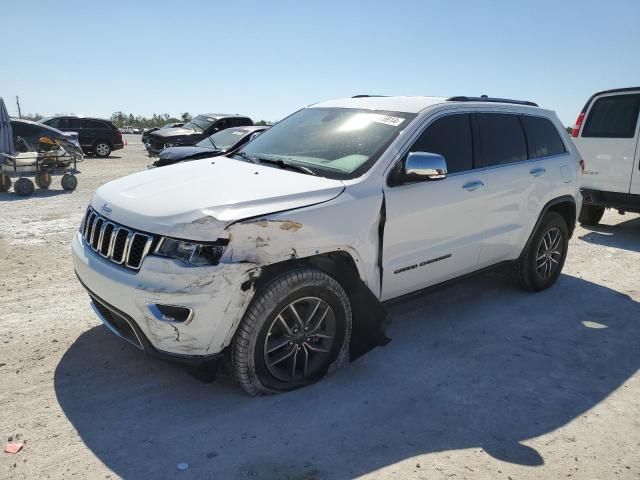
column 434, row 229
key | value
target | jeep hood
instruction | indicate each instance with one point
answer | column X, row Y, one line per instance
column 197, row 200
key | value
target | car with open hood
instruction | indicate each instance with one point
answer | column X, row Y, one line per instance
column 280, row 257
column 225, row 142
column 147, row 131
column 198, row 128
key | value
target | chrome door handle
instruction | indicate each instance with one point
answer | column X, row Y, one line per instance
column 471, row 186
column 536, row 172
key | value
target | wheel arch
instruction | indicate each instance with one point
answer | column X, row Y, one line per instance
column 565, row 206
column 369, row 316
column 105, row 140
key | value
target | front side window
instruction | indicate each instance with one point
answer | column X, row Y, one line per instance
column 543, row 139
column 333, row 142
column 450, row 137
column 52, row 122
column 613, row 117
column 74, row 123
column 502, row 139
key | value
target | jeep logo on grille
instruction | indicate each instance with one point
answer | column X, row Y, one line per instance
column 106, row 209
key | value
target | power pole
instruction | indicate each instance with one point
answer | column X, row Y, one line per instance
column 18, row 102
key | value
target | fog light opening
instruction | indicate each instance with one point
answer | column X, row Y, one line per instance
column 170, row 313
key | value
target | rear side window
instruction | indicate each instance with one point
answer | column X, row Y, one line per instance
column 96, row 124
column 502, row 139
column 543, row 139
column 450, row 137
column 613, row 117
column 242, row 122
column 68, row 123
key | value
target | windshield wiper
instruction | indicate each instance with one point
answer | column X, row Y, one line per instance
column 246, row 157
column 282, row 164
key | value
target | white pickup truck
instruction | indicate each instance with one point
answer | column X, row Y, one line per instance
column 282, row 256
column 606, row 134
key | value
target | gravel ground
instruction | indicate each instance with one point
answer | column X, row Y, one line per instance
column 481, row 380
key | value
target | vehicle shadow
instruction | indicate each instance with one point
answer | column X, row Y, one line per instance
column 479, row 364
column 624, row 235
column 37, row 193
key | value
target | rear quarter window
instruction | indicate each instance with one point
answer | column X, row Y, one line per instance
column 613, row 117
column 543, row 139
column 502, row 139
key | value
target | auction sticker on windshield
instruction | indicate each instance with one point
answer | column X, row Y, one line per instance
column 387, row 119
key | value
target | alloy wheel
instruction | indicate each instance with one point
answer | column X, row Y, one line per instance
column 300, row 338
column 549, row 253
column 102, row 149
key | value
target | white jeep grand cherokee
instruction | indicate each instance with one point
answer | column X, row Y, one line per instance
column 281, row 257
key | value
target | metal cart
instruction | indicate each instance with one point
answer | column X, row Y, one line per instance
column 51, row 158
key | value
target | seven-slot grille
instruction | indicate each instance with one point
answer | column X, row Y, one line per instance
column 114, row 242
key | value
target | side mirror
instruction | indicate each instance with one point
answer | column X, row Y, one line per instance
column 422, row 166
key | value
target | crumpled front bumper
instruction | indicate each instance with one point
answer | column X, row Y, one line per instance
column 214, row 294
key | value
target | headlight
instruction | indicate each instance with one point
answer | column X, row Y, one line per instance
column 191, row 253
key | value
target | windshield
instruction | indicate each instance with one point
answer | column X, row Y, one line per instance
column 200, row 123
column 333, row 142
column 223, row 140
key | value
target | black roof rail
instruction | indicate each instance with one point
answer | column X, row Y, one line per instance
column 484, row 98
column 365, row 96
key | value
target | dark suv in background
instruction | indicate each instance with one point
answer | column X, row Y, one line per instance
column 199, row 128
column 96, row 135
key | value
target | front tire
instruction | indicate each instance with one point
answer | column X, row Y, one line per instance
column 69, row 182
column 295, row 331
column 102, row 149
column 540, row 264
column 591, row 214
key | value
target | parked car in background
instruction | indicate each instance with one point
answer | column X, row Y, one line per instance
column 192, row 132
column 96, row 135
column 136, row 130
column 606, row 134
column 278, row 257
column 26, row 134
column 147, row 131
column 225, row 142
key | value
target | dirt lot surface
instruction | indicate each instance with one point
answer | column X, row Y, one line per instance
column 480, row 380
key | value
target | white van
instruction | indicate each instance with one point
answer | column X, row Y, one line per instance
column 606, row 134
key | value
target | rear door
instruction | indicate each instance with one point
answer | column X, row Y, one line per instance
column 75, row 125
column 608, row 143
column 433, row 229
column 517, row 185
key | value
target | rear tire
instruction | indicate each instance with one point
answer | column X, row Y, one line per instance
column 591, row 214
column 102, row 149
column 43, row 180
column 295, row 331
column 540, row 264
column 5, row 182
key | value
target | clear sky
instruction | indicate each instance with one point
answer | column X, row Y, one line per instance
column 268, row 58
